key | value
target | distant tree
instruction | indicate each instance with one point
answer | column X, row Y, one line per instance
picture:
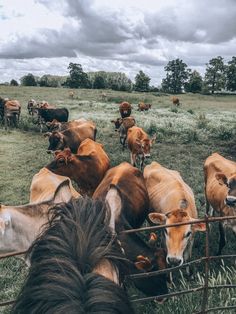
column 14, row 83
column 142, row 82
column 231, row 75
column 99, row 82
column 215, row 74
column 176, row 76
column 194, row 83
column 49, row 80
column 28, row 80
column 78, row 78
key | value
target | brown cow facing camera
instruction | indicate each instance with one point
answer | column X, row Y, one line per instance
column 125, row 109
column 139, row 145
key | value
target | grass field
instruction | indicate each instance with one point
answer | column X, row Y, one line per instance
column 185, row 137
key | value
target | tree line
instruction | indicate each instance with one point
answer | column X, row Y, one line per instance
column 179, row 78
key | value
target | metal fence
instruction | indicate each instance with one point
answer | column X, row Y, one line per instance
column 206, row 260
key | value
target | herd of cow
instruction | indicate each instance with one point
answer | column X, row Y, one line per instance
column 154, row 192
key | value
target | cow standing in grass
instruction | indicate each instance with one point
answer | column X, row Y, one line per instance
column 125, row 109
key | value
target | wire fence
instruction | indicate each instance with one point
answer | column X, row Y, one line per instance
column 205, row 259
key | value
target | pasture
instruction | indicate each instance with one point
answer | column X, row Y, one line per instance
column 186, row 136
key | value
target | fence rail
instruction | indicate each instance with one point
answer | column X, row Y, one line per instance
column 206, row 260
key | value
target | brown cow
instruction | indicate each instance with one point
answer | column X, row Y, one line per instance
column 122, row 125
column 125, row 109
column 220, row 191
column 139, row 145
column 31, row 106
column 45, row 105
column 12, row 110
column 173, row 202
column 87, row 168
column 175, row 101
column 142, row 106
column 124, row 190
column 71, row 137
column 62, row 126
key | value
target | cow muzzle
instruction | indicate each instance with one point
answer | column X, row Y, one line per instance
column 147, row 156
column 231, row 201
column 174, row 261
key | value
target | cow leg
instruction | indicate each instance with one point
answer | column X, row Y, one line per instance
column 188, row 255
column 114, row 203
column 222, row 240
column 142, row 163
column 133, row 159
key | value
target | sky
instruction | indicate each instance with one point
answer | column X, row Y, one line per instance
column 44, row 36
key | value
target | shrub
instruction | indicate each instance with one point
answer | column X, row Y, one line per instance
column 190, row 111
column 202, row 121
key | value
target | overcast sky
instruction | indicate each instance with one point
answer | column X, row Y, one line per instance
column 43, row 36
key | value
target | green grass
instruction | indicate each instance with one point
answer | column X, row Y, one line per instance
column 185, row 138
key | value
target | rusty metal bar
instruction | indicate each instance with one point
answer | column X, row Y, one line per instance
column 169, row 270
column 12, row 254
column 207, row 261
column 174, row 294
column 210, row 220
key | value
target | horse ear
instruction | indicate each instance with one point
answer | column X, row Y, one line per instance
column 221, row 178
column 157, row 218
column 143, row 263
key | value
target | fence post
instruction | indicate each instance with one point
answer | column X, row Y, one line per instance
column 207, row 261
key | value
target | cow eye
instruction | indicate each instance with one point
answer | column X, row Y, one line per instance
column 188, row 234
column 61, row 161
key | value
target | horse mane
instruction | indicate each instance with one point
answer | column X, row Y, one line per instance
column 60, row 278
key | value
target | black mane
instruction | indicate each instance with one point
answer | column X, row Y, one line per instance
column 60, row 278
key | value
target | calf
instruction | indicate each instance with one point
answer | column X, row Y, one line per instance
column 139, row 145
column 122, row 125
column 173, row 202
column 220, row 192
column 125, row 109
column 48, row 115
column 71, row 138
column 87, row 168
column 142, row 106
column 124, row 190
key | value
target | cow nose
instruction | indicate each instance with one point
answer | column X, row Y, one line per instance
column 147, row 155
column 231, row 201
column 174, row 261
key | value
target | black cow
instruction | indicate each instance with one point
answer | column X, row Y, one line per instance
column 48, row 115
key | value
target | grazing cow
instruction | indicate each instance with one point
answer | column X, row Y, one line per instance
column 125, row 109
column 220, row 191
column 48, row 115
column 45, row 183
column 124, row 190
column 173, row 202
column 142, row 106
column 71, row 138
column 76, row 265
column 19, row 225
column 12, row 109
column 2, row 103
column 139, row 145
column 175, row 101
column 71, row 94
column 31, row 106
column 62, row 126
column 87, row 168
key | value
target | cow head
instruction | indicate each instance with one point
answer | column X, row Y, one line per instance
column 144, row 146
column 177, row 238
column 117, row 123
column 54, row 125
column 230, row 183
column 56, row 141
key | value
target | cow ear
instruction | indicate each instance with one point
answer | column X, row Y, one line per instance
column 152, row 238
column 222, row 179
column 47, row 134
column 143, row 263
column 200, row 226
column 157, row 218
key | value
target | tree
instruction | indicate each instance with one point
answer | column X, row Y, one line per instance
column 28, row 80
column 194, row 83
column 99, row 82
column 231, row 75
column 142, row 82
column 78, row 78
column 14, row 83
column 176, row 76
column 215, row 74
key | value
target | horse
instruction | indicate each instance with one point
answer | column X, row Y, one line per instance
column 76, row 264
